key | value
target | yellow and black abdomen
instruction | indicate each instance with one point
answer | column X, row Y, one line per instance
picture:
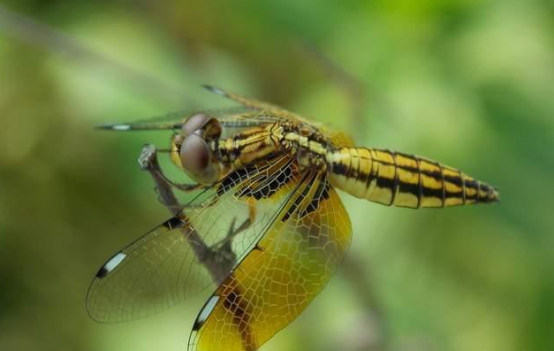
column 393, row 178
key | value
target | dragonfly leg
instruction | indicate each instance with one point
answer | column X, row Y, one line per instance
column 148, row 161
column 179, row 186
column 218, row 262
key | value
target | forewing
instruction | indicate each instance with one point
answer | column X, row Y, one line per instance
column 230, row 118
column 337, row 138
column 274, row 112
column 247, row 102
column 275, row 282
column 172, row 262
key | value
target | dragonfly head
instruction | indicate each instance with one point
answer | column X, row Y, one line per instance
column 195, row 155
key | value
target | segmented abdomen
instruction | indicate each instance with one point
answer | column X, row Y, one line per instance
column 393, row 178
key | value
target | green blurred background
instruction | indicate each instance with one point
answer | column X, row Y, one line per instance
column 469, row 83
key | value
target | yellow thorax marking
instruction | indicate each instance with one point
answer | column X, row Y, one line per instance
column 306, row 143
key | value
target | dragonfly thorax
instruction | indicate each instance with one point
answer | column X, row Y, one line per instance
column 309, row 147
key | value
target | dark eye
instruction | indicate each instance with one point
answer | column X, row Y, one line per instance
column 195, row 155
column 195, row 123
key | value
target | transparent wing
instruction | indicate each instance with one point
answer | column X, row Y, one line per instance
column 338, row 138
column 251, row 113
column 233, row 117
column 197, row 248
column 247, row 102
column 267, row 109
column 275, row 282
column 273, row 113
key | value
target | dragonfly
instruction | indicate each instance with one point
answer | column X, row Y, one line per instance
column 266, row 228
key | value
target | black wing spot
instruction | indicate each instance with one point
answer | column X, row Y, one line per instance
column 111, row 264
column 233, row 179
column 267, row 186
column 321, row 194
column 102, row 272
column 298, row 201
column 173, row 223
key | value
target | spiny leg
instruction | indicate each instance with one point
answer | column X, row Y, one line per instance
column 219, row 262
column 184, row 187
column 148, row 161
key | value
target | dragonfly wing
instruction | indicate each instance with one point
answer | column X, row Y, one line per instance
column 269, row 110
column 233, row 117
column 275, row 282
column 337, row 138
column 247, row 102
column 168, row 264
column 273, row 113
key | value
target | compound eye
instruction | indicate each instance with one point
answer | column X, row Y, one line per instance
column 195, row 123
column 195, row 155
